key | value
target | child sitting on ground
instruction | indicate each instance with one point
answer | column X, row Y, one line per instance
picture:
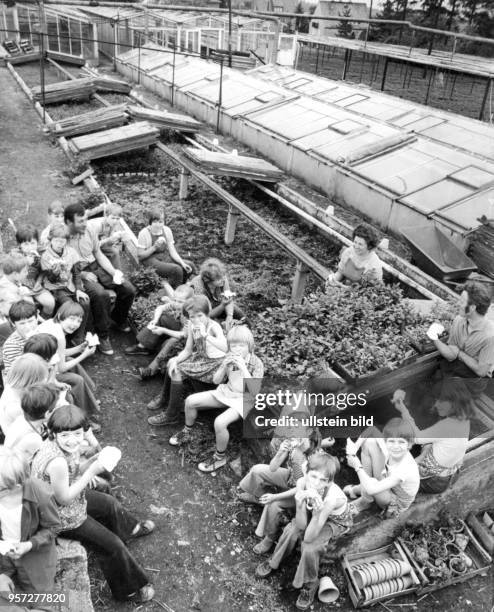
column 27, row 240
column 322, row 513
column 168, row 322
column 293, row 450
column 24, row 320
column 198, row 362
column 61, row 266
column 110, row 233
column 238, row 364
column 12, row 289
column 25, row 435
column 55, row 217
column 444, row 443
column 387, row 472
column 29, row 523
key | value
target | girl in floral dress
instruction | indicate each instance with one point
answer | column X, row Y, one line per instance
column 203, row 354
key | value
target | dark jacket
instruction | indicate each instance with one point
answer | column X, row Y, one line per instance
column 40, row 524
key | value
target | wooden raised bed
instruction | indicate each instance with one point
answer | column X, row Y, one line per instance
column 385, row 381
column 481, row 562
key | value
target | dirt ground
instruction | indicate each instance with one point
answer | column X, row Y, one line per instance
column 31, row 170
column 200, row 557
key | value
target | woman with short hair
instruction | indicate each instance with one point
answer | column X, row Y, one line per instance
column 359, row 261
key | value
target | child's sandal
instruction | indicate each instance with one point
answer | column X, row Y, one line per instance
column 146, row 593
column 144, row 529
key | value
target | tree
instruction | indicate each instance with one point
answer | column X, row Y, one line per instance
column 345, row 28
column 302, row 23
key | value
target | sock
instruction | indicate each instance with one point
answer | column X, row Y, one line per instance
column 220, row 454
column 188, row 428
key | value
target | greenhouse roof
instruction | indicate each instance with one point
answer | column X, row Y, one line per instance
column 470, row 135
column 66, row 11
column 433, row 162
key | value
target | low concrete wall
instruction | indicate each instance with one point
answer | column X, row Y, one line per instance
column 72, row 576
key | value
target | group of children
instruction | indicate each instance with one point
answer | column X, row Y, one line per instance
column 48, row 401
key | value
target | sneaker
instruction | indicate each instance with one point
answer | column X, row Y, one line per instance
column 145, row 373
column 146, row 593
column 162, row 420
column 263, row 546
column 248, row 498
column 182, row 437
column 155, row 403
column 96, row 427
column 144, row 528
column 135, row 349
column 263, row 569
column 306, row 597
column 213, row 464
column 121, row 327
column 105, row 346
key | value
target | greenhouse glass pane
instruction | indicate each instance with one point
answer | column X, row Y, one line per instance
column 473, row 177
column 349, row 100
column 63, row 24
column 437, row 196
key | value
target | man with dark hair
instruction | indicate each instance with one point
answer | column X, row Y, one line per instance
column 470, row 347
column 23, row 317
column 98, row 273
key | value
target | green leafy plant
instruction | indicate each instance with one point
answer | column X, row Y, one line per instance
column 146, row 281
column 358, row 327
column 143, row 309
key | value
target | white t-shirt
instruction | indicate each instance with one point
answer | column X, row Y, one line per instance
column 407, row 471
column 449, row 439
column 10, row 518
column 10, row 408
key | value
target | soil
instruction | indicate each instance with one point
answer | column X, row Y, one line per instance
column 200, row 557
column 31, row 170
column 458, row 93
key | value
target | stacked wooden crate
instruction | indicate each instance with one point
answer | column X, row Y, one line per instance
column 163, row 119
column 114, row 141
column 228, row 164
column 66, row 90
column 482, row 248
column 93, row 121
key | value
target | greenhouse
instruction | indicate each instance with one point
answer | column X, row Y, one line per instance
column 70, row 31
column 398, row 163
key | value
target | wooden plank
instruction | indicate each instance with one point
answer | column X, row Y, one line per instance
column 175, row 121
column 65, row 90
column 82, row 176
column 24, row 59
column 66, row 57
column 99, row 119
column 290, row 247
column 115, row 140
column 234, row 165
column 108, row 84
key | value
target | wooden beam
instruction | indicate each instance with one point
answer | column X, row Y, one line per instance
column 298, row 287
column 287, row 245
column 231, row 224
column 183, row 189
column 82, row 176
